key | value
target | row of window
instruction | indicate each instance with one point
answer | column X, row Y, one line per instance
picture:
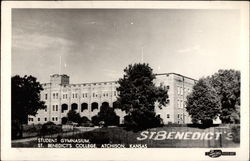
column 78, row 85
column 74, row 95
column 180, row 90
column 45, row 119
column 179, row 116
column 180, row 103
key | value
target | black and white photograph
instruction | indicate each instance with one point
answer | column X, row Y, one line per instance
column 128, row 77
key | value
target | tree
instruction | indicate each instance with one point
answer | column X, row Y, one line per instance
column 227, row 86
column 138, row 95
column 203, row 105
column 106, row 114
column 25, row 100
column 73, row 116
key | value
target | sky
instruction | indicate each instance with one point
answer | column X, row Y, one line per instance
column 94, row 45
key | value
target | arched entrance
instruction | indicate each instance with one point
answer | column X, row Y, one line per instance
column 74, row 106
column 84, row 106
column 64, row 107
column 94, row 106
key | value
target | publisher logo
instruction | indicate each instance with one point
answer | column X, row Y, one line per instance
column 218, row 153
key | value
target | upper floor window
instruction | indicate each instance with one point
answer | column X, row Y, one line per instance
column 46, row 96
column 178, row 90
column 181, row 91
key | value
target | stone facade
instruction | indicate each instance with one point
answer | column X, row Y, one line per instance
column 60, row 96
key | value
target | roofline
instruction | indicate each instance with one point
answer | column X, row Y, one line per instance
column 177, row 74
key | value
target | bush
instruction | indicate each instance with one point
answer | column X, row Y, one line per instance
column 50, row 128
column 64, row 120
column 236, row 133
column 84, row 119
column 16, row 129
column 142, row 120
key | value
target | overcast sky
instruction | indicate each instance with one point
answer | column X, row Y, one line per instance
column 96, row 44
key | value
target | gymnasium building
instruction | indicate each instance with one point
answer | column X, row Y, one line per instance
column 86, row 98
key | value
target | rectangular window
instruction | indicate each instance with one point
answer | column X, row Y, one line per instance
column 76, row 95
column 181, row 90
column 56, row 95
column 178, row 90
column 38, row 119
column 114, row 93
column 46, row 96
column 73, row 95
column 56, row 118
column 52, row 118
column 178, row 116
column 168, row 116
column 45, row 108
column 53, row 95
column 181, row 104
column 93, row 94
column 66, row 96
column 45, row 119
column 53, row 108
column 83, row 95
column 56, row 107
column 86, row 94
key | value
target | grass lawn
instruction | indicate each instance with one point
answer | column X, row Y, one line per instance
column 118, row 135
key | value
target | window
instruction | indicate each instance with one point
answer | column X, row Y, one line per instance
column 73, row 95
column 181, row 91
column 93, row 94
column 76, row 95
column 53, row 108
column 178, row 116
column 46, row 96
column 178, row 90
column 114, row 93
column 38, row 119
column 45, row 119
column 52, row 118
column 53, row 95
column 56, row 95
column 178, row 103
column 56, row 107
column 56, row 118
column 86, row 94
column 45, row 108
column 168, row 116
column 181, row 104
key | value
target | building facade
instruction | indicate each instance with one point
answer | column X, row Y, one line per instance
column 60, row 96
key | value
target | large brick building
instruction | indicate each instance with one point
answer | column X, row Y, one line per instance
column 60, row 96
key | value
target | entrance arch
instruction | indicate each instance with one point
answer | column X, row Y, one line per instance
column 94, row 106
column 74, row 106
column 84, row 106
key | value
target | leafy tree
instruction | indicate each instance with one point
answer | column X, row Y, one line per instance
column 73, row 116
column 138, row 95
column 227, row 86
column 25, row 100
column 108, row 115
column 203, row 105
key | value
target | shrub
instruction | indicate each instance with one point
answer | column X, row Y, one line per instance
column 236, row 133
column 50, row 128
